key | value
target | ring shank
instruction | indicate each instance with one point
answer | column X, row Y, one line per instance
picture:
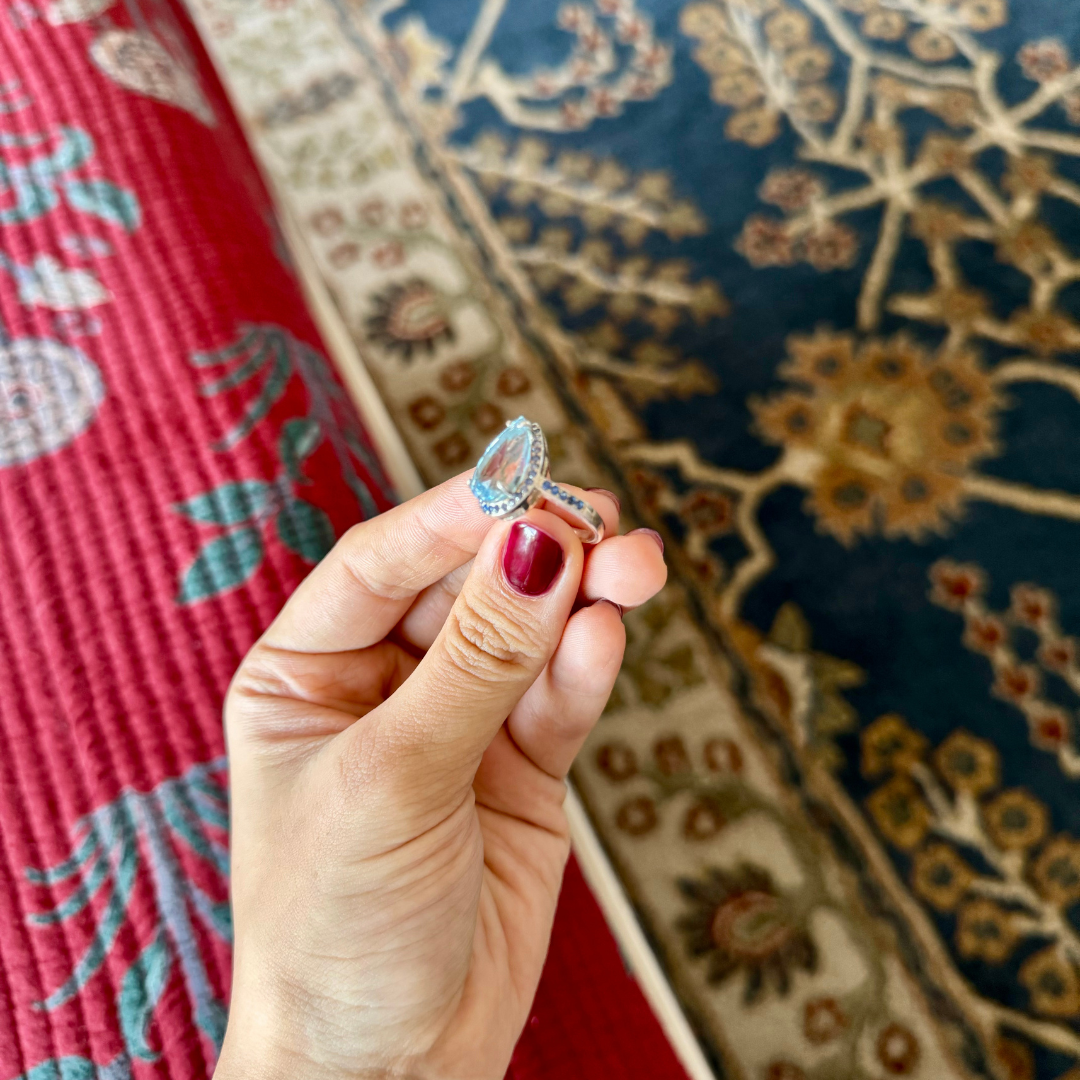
column 591, row 527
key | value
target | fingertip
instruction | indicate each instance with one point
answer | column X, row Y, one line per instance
column 591, row 648
column 627, row 570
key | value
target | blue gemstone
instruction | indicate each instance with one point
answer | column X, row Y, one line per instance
column 502, row 471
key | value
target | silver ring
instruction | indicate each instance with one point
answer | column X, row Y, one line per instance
column 514, row 474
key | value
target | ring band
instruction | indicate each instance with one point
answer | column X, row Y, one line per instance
column 514, row 474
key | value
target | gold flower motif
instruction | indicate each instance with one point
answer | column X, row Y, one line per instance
column 1057, row 871
column 931, row 45
column 832, row 246
column 766, row 241
column 968, row 764
column 703, row 20
column 755, row 127
column 891, row 431
column 1030, row 247
column 808, row 64
column 984, row 14
column 787, row 29
column 737, row 88
column 940, row 876
column 1045, row 332
column 1052, row 982
column 938, row 222
column 790, row 189
column 817, row 103
column 985, row 932
column 885, row 25
column 879, row 137
column 1026, row 173
column 958, row 108
column 945, row 154
column 889, row 745
column 1016, row 820
column 900, row 813
column 736, row 79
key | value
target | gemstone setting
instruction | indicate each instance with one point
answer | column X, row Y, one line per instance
column 505, row 476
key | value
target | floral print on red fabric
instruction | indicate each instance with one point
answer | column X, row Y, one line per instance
column 244, row 512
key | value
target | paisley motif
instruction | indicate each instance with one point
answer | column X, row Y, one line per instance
column 137, row 61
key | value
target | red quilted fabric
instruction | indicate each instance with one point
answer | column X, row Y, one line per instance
column 174, row 456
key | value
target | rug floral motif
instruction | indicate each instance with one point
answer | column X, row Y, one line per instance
column 799, row 278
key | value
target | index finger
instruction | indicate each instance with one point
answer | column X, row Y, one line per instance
column 355, row 596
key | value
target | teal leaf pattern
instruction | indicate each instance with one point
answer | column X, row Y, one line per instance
column 305, row 529
column 79, row 1068
column 140, row 993
column 229, row 504
column 299, row 438
column 33, row 198
column 104, row 199
column 271, row 353
column 116, row 831
column 36, row 185
column 76, row 148
column 222, row 564
column 144, row 833
column 267, row 358
column 65, row 1068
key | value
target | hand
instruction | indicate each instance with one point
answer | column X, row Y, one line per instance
column 398, row 742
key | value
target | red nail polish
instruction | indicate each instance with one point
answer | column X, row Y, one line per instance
column 531, row 559
column 651, row 532
column 611, row 495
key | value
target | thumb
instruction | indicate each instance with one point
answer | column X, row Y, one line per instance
column 502, row 630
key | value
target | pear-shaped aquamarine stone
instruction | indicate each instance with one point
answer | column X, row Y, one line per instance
column 501, row 472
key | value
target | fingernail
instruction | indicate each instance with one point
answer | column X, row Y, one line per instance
column 651, row 532
column 611, row 495
column 531, row 559
column 617, row 607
